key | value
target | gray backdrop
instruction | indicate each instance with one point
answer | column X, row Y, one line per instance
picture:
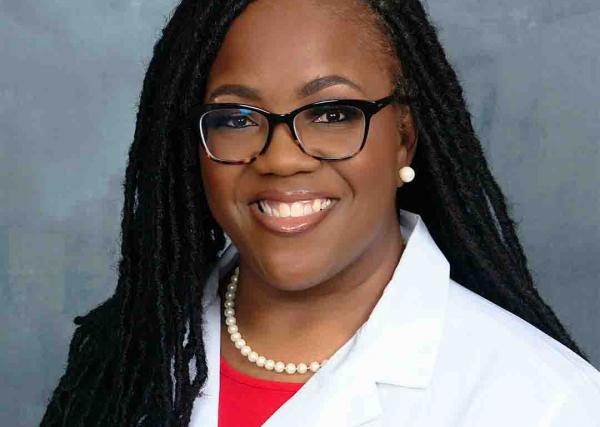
column 70, row 76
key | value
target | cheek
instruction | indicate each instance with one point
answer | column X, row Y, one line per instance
column 374, row 169
column 370, row 213
column 217, row 181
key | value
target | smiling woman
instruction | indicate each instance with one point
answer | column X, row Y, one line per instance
column 373, row 275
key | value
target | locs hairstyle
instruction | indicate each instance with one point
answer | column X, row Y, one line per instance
column 122, row 352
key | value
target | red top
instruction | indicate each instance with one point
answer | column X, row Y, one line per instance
column 248, row 401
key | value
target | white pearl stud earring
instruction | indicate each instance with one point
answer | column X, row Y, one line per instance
column 407, row 174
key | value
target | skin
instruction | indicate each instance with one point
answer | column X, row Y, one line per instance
column 302, row 297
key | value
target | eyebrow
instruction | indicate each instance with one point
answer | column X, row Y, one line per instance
column 308, row 89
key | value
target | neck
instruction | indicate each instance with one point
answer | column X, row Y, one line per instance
column 311, row 324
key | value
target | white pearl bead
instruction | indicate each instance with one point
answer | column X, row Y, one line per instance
column 279, row 367
column 290, row 368
column 235, row 336
column 253, row 357
column 314, row 366
column 230, row 321
column 229, row 312
column 228, row 304
column 232, row 287
column 301, row 368
column 260, row 362
column 235, row 279
column 240, row 343
column 229, row 296
column 269, row 365
column 245, row 350
column 232, row 329
column 407, row 174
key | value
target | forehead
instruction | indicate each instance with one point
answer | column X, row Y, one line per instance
column 277, row 45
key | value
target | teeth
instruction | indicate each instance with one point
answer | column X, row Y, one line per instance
column 297, row 209
column 316, row 205
column 268, row 209
column 285, row 210
column 294, row 210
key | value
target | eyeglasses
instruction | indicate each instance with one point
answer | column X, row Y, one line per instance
column 234, row 133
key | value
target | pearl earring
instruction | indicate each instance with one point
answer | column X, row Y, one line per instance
column 407, row 174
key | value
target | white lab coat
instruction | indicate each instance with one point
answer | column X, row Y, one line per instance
column 432, row 353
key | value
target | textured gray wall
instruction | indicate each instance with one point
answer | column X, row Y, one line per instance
column 70, row 75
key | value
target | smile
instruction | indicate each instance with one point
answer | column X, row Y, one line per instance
column 291, row 218
column 297, row 209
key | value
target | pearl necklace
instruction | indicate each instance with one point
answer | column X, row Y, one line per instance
column 246, row 350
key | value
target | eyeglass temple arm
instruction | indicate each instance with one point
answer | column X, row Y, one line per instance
column 398, row 95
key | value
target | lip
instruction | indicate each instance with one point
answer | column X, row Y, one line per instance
column 290, row 226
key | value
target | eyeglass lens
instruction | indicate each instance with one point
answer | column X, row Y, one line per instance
column 332, row 131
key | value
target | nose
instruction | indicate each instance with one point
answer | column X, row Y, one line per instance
column 284, row 156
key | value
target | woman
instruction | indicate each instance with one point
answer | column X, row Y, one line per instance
column 374, row 275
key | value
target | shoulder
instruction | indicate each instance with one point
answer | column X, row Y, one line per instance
column 499, row 330
column 502, row 356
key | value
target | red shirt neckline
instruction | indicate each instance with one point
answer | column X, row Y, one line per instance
column 243, row 378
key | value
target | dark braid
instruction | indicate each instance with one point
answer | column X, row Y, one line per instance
column 455, row 182
column 123, row 351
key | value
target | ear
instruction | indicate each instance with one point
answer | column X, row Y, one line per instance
column 407, row 139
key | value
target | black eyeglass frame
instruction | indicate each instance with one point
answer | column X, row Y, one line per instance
column 369, row 108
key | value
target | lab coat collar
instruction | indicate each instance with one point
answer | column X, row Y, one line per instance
column 397, row 345
column 403, row 333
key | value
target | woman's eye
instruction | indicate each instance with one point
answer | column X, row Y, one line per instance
column 238, row 122
column 331, row 116
column 338, row 114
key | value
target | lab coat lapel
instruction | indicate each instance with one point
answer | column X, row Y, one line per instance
column 343, row 393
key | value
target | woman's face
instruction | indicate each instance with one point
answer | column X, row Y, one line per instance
column 277, row 51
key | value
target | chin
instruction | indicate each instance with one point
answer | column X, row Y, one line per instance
column 297, row 274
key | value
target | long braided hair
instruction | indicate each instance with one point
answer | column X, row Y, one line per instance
column 128, row 359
